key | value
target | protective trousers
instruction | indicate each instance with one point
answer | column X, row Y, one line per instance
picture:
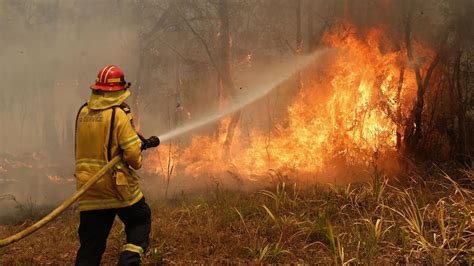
column 95, row 226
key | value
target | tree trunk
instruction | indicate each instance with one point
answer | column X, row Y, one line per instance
column 310, row 28
column 226, row 83
column 299, row 39
column 413, row 138
column 462, row 150
column 399, row 109
column 178, row 114
column 136, row 91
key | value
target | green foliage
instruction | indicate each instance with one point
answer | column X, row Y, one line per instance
column 268, row 252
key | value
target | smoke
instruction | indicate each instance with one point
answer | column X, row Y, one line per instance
column 50, row 54
column 257, row 84
column 51, row 51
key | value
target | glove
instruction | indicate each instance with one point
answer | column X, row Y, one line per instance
column 151, row 142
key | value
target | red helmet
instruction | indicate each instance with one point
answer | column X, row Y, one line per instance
column 110, row 78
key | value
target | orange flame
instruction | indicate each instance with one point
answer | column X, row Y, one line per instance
column 59, row 180
column 348, row 116
column 55, row 178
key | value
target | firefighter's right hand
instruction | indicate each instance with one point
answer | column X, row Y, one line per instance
column 151, row 142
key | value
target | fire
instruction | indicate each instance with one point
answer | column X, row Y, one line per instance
column 17, row 164
column 58, row 179
column 347, row 116
column 55, row 178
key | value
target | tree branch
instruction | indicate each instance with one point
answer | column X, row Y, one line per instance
column 419, row 80
column 178, row 53
column 203, row 42
column 430, row 70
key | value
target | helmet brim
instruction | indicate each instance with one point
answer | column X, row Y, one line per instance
column 109, row 88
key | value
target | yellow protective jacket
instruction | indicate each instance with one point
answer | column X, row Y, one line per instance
column 104, row 130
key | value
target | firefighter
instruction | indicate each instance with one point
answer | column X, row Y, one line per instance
column 104, row 129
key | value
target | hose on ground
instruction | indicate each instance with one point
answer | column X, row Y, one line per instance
column 61, row 208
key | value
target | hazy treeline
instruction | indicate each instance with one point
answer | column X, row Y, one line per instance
column 181, row 57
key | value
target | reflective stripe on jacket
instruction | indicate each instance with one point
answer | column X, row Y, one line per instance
column 118, row 188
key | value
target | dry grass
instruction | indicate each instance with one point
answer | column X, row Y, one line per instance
column 417, row 221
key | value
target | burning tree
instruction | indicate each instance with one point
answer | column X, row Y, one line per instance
column 401, row 83
column 384, row 96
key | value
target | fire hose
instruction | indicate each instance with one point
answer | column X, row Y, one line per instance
column 61, row 208
column 283, row 73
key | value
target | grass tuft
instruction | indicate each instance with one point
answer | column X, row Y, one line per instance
column 386, row 221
